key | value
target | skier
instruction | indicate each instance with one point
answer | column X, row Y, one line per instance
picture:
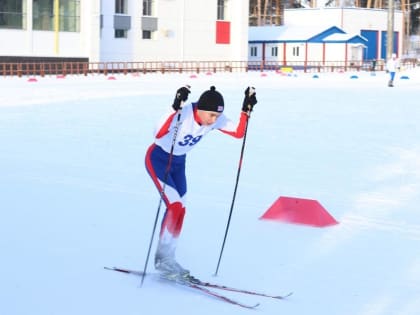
column 391, row 67
column 176, row 134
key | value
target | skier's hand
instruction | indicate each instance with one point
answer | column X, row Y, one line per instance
column 250, row 100
column 181, row 96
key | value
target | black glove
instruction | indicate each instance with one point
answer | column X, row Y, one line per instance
column 181, row 96
column 250, row 100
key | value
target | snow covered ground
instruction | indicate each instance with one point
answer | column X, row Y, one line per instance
column 75, row 196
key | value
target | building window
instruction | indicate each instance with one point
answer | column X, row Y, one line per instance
column 274, row 51
column 254, row 51
column 13, row 14
column 121, row 6
column 68, row 17
column 296, row 51
column 221, row 9
column 148, row 7
column 120, row 33
column 147, row 35
column 148, row 23
column 43, row 15
column 121, row 30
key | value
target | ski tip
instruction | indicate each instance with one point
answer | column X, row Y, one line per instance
column 256, row 305
column 251, row 307
column 116, row 269
column 282, row 297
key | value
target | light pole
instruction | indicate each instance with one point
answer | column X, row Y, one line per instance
column 406, row 9
column 390, row 30
column 56, row 26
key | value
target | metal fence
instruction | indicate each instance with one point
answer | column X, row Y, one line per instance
column 85, row 68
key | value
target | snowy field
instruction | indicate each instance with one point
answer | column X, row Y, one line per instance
column 75, row 196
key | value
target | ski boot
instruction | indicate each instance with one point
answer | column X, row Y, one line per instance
column 170, row 269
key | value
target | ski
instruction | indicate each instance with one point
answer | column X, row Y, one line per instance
column 212, row 293
column 223, row 287
column 189, row 284
column 210, row 285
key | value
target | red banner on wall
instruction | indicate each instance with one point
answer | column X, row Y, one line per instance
column 222, row 32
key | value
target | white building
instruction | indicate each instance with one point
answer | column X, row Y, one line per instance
column 304, row 45
column 372, row 24
column 125, row 30
column 31, row 28
column 324, row 36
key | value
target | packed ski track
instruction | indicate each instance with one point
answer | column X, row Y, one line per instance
column 75, row 196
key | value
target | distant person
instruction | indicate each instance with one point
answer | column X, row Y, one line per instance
column 179, row 132
column 391, row 67
column 373, row 65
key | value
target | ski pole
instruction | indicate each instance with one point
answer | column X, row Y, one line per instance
column 162, row 193
column 236, row 185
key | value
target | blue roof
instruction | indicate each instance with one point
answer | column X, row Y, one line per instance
column 319, row 38
column 299, row 34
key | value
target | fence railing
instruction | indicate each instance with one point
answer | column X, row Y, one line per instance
column 84, row 68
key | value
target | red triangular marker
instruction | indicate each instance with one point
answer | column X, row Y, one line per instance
column 300, row 211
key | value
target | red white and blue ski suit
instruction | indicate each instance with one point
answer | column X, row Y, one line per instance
column 189, row 133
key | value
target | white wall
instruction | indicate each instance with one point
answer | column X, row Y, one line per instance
column 349, row 19
column 168, row 41
column 90, row 28
column 111, row 48
column 334, row 52
column 315, row 52
column 187, row 32
column 14, row 43
column 239, row 15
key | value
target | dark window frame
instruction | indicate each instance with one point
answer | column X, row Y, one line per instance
column 12, row 14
